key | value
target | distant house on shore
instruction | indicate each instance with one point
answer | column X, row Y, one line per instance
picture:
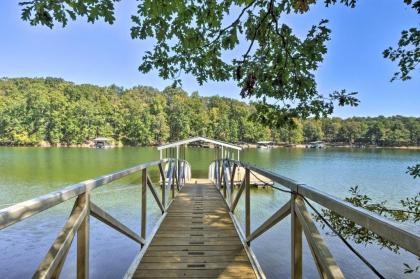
column 265, row 144
column 316, row 144
column 102, row 142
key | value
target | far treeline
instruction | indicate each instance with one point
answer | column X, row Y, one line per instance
column 51, row 111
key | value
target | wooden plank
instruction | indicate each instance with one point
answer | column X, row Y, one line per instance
column 204, row 233
column 223, row 179
column 162, row 177
column 321, row 273
column 196, row 228
column 155, row 195
column 247, row 205
column 191, row 243
column 132, row 268
column 274, row 219
column 57, row 271
column 316, row 241
column 172, row 176
column 23, row 210
column 238, row 196
column 296, row 242
column 183, row 265
column 227, row 247
column 195, row 259
column 83, row 241
column 253, row 259
column 192, row 254
column 143, row 203
column 232, row 183
column 195, row 273
column 106, row 218
column 61, row 245
column 198, row 217
column 404, row 237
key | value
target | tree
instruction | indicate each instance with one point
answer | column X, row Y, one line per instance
column 351, row 131
column 178, row 113
column 191, row 37
column 331, row 129
column 199, row 117
column 53, row 111
column 312, row 131
column 376, row 133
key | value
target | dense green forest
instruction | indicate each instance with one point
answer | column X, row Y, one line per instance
column 53, row 111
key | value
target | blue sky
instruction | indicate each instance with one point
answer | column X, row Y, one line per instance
column 105, row 54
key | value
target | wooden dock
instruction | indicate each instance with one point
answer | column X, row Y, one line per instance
column 198, row 235
column 197, row 239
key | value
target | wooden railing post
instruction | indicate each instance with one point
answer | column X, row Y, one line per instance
column 83, row 241
column 143, row 202
column 296, row 241
column 232, row 183
column 162, row 178
column 219, row 181
column 183, row 172
column 247, row 205
column 173, row 184
column 223, row 178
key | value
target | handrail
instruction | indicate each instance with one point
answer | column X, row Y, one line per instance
column 302, row 221
column 25, row 209
column 78, row 221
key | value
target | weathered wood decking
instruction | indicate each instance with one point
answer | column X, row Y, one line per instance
column 195, row 236
column 197, row 239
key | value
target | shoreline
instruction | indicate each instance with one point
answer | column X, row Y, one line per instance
column 244, row 146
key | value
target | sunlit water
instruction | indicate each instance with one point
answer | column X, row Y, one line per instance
column 29, row 172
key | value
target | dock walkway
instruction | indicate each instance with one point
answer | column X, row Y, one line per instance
column 197, row 235
column 197, row 239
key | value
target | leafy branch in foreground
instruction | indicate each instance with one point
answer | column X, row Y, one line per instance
column 414, row 171
column 409, row 211
column 407, row 52
column 274, row 66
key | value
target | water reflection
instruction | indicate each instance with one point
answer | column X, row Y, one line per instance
column 28, row 172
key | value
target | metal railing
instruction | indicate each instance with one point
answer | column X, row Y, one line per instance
column 78, row 222
column 301, row 220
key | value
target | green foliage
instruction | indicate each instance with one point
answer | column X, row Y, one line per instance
column 414, row 171
column 276, row 68
column 53, row 111
column 407, row 52
column 409, row 211
column 193, row 37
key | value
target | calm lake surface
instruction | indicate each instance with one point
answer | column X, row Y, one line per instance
column 29, row 172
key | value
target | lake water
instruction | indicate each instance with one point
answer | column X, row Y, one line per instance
column 29, row 172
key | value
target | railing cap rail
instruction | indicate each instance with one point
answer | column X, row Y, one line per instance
column 384, row 227
column 28, row 208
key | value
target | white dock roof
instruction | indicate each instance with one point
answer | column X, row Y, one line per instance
column 194, row 139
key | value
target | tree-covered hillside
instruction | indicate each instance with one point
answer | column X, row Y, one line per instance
column 54, row 111
column 50, row 110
